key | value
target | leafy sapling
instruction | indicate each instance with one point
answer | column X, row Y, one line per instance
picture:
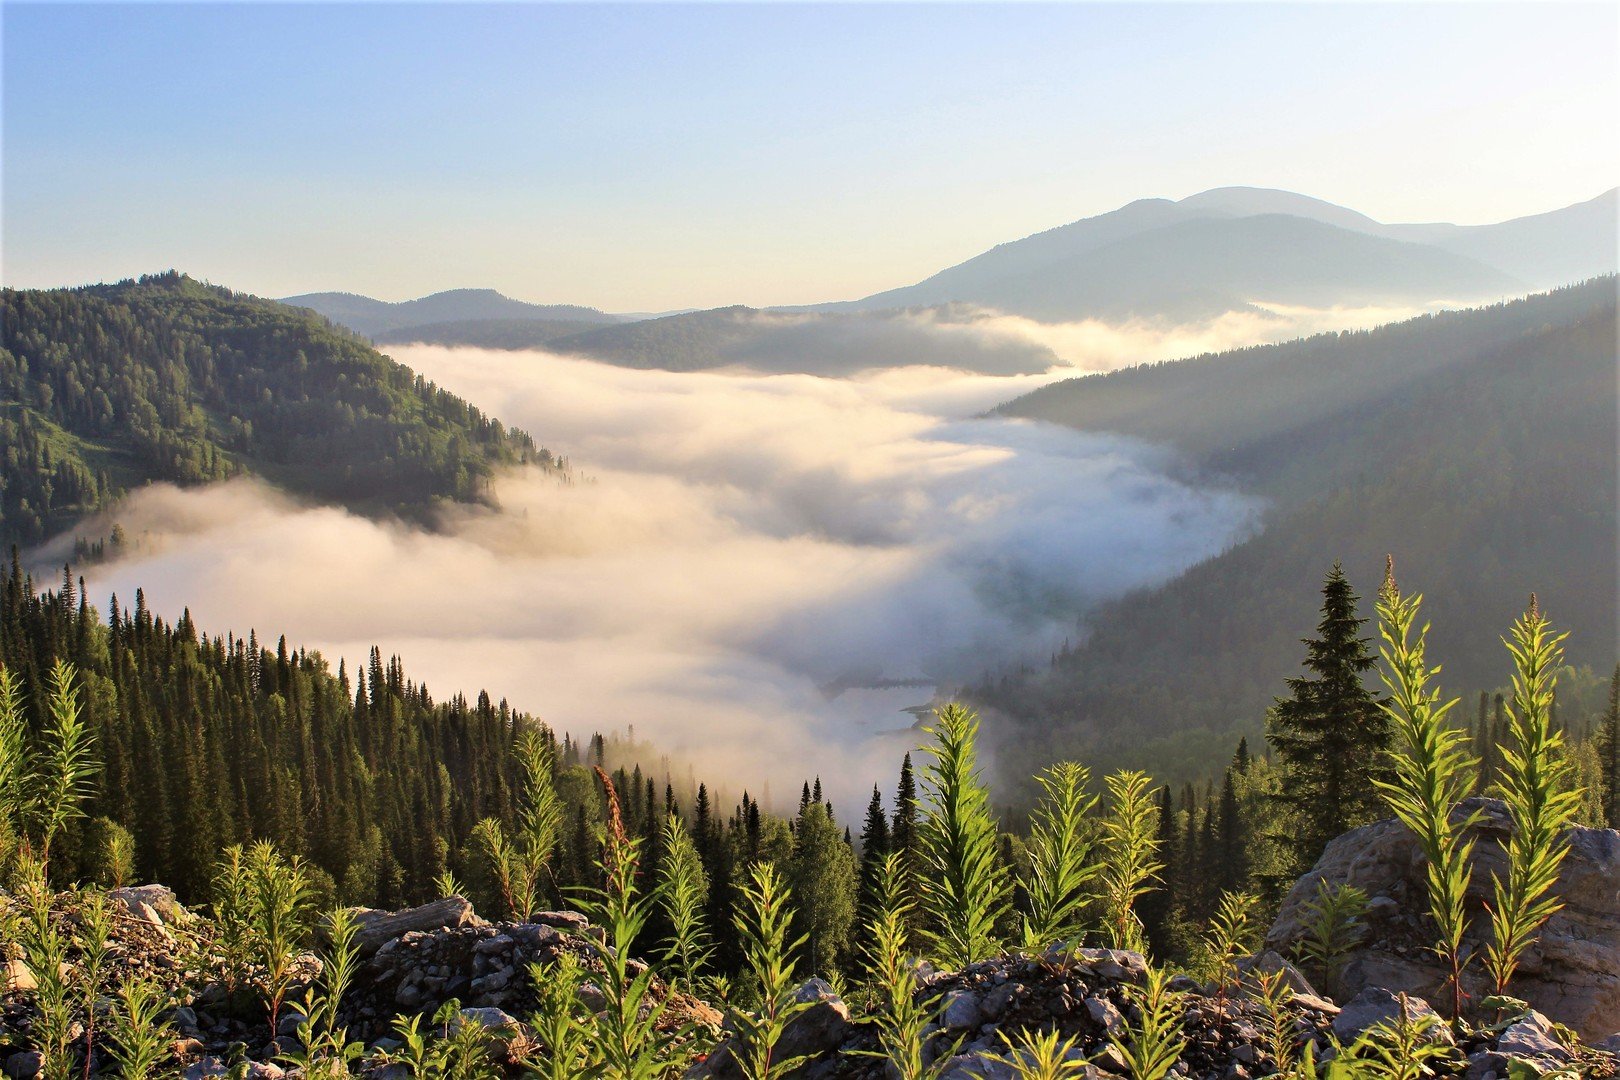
column 1153, row 1042
column 1130, row 863
column 138, row 1039
column 1061, row 883
column 683, row 890
column 1334, row 926
column 763, row 926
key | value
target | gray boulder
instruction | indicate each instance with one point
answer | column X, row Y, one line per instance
column 1572, row 972
column 1376, row 1005
column 377, row 928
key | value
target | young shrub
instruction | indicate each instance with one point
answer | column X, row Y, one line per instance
column 233, row 919
column 682, row 892
column 1541, row 802
column 1130, row 846
column 559, row 1022
column 1280, row 1037
column 964, row 892
column 324, row 1046
column 138, row 1039
column 13, row 771
column 1152, row 1043
column 763, row 920
column 280, row 904
column 446, row 884
column 67, row 761
column 95, row 928
column 1041, row 1056
column 1401, row 1049
column 519, row 862
column 44, row 952
column 902, row 1023
column 1061, row 883
column 1226, row 939
column 113, row 853
column 628, row 1042
column 1333, row 927
column 1432, row 772
column 458, row 1051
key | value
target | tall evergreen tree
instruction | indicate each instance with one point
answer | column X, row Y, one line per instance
column 903, row 834
column 1608, row 747
column 1329, row 733
column 874, row 850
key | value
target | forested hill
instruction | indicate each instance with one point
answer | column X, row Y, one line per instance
column 1477, row 447
column 108, row 387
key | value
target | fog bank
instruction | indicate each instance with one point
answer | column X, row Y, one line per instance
column 739, row 567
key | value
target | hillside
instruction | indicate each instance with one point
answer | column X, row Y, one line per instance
column 372, row 318
column 1476, row 446
column 821, row 343
column 487, row 333
column 112, row 386
column 1222, row 249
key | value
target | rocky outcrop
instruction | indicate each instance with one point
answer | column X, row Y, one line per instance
column 1571, row 974
column 376, row 928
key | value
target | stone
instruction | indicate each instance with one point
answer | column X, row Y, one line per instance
column 1376, row 1005
column 977, row 1065
column 160, row 899
column 1533, row 1037
column 208, row 1066
column 1571, row 974
column 491, row 1019
column 1270, row 962
column 1105, row 1014
column 822, row 1027
column 15, row 977
column 998, row 1001
column 185, row 1018
column 25, row 1065
column 959, row 1011
column 377, row 928
column 561, row 920
column 265, row 1070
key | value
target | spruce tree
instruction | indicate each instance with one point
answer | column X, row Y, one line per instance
column 1330, row 733
column 903, row 834
column 1608, row 746
column 874, row 850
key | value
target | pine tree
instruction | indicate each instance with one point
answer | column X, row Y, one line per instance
column 1330, row 733
column 1608, row 746
column 903, row 834
column 874, row 850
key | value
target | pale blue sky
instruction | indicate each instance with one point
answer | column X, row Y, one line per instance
column 653, row 157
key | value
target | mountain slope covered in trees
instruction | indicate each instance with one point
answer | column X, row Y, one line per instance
column 373, row 318
column 165, row 379
column 1476, row 446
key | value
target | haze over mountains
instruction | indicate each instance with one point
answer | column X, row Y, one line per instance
column 1263, row 252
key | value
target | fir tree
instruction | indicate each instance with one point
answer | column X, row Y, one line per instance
column 1330, row 733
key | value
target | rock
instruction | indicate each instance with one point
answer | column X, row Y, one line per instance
column 15, row 977
column 1271, row 963
column 185, row 1019
column 208, row 1066
column 1611, row 1044
column 561, row 920
column 997, row 1001
column 1533, row 1037
column 978, row 1065
column 491, row 1019
column 163, row 907
column 1376, row 1005
column 1572, row 972
column 959, row 1010
column 25, row 1065
column 377, row 928
column 820, row 1028
column 265, row 1070
column 288, row 1023
column 1104, row 1013
column 186, row 1048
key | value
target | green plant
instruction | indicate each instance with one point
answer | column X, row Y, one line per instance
column 459, row 1050
column 1130, row 844
column 263, row 904
column 1225, row 939
column 233, row 919
column 1333, row 927
column 138, row 1039
column 1152, row 1042
column 446, row 884
column 95, row 928
column 13, row 770
column 1400, row 1049
column 683, row 890
column 902, row 1022
column 964, row 892
column 1280, row 1036
column 1034, row 1055
column 1541, row 801
column 38, row 801
column 325, row 1049
column 519, row 862
column 629, row 1043
column 113, row 847
column 1432, row 772
column 762, row 925
column 1061, row 880
column 559, row 1023
column 44, row 951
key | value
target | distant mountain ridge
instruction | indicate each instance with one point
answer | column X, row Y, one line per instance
column 1158, row 258
column 370, row 317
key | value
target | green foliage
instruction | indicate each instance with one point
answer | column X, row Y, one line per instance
column 458, row 1050
column 325, row 1049
column 1035, row 1055
column 902, row 1022
column 13, row 768
column 560, row 1023
column 821, row 876
column 1152, row 1042
column 763, row 924
column 1432, row 772
column 105, row 388
column 263, row 905
column 112, row 850
column 1333, row 927
column 1227, row 938
column 1399, row 1049
column 43, row 787
column 1540, row 801
column 1329, row 733
column 1130, row 862
column 138, row 1038
column 964, row 891
column 519, row 862
column 683, row 890
column 1061, row 883
column 44, row 950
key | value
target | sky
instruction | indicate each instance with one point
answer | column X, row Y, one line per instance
column 649, row 158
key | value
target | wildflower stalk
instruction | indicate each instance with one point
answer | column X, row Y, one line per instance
column 1130, row 865
column 1062, row 873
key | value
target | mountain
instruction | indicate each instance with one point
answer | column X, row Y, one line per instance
column 1476, row 446
column 1228, row 248
column 487, row 333
column 112, row 386
column 821, row 343
column 371, row 317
